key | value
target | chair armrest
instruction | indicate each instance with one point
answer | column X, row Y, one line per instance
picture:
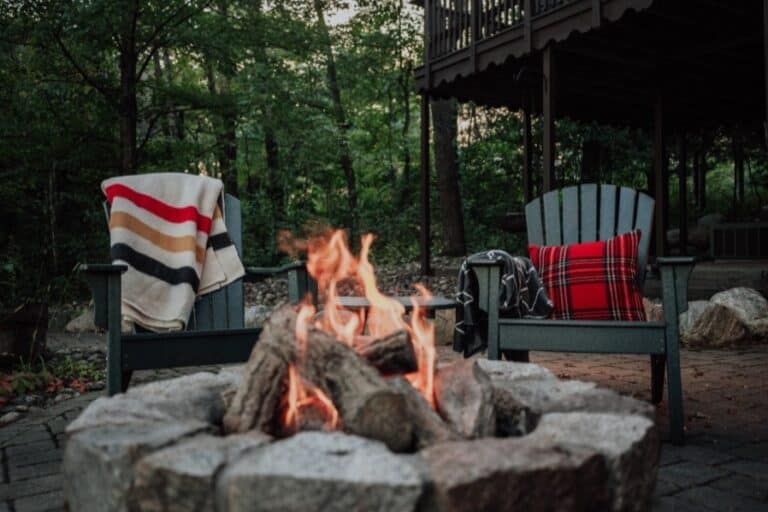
column 300, row 283
column 254, row 274
column 104, row 281
column 675, row 273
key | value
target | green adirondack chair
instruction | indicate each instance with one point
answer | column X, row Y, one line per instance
column 215, row 333
column 588, row 213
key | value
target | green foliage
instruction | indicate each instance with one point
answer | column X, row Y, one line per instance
column 239, row 89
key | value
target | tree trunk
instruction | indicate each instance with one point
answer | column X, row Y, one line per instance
column 407, row 186
column 444, row 114
column 128, row 108
column 275, row 179
column 345, row 157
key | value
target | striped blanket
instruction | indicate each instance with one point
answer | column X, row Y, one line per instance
column 169, row 230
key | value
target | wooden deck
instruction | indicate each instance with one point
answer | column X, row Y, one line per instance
column 710, row 277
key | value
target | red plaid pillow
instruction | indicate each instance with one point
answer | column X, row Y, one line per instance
column 592, row 281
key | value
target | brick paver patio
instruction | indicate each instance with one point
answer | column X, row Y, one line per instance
column 723, row 467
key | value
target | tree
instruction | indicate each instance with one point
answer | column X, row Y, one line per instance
column 444, row 114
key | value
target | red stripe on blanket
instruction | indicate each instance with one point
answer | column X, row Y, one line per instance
column 159, row 208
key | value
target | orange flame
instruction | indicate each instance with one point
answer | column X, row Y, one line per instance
column 330, row 262
column 303, row 396
column 422, row 334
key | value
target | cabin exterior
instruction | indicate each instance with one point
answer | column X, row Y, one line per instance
column 666, row 66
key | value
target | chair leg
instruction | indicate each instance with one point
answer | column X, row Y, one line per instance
column 125, row 378
column 658, row 367
column 675, row 397
column 519, row 356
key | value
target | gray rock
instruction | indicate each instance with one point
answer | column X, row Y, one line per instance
column 712, row 325
column 749, row 304
column 538, row 395
column 630, row 445
column 116, row 410
column 600, row 400
column 687, row 319
column 464, row 398
column 508, row 371
column 255, row 316
column 320, row 471
column 197, row 396
column 10, row 417
column 653, row 312
column 181, row 478
column 82, row 323
column 192, row 397
column 513, row 474
column 99, row 462
column 758, row 329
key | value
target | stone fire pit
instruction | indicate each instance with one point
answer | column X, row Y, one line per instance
column 568, row 446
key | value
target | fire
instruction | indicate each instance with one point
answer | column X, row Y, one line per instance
column 330, row 262
column 302, row 398
column 423, row 339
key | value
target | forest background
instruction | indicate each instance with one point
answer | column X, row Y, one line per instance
column 304, row 108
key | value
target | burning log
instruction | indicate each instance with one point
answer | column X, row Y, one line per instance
column 264, row 380
column 392, row 354
column 428, row 427
column 367, row 404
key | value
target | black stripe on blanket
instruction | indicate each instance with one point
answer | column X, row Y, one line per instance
column 220, row 241
column 154, row 268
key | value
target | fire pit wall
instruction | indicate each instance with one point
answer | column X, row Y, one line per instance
column 569, row 446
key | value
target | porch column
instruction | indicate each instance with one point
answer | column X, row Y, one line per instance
column 548, row 111
column 527, row 149
column 682, row 175
column 765, row 63
column 660, row 216
column 424, row 238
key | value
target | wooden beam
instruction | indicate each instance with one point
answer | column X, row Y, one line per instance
column 527, row 149
column 738, row 170
column 682, row 175
column 660, row 224
column 765, row 64
column 424, row 235
column 548, row 111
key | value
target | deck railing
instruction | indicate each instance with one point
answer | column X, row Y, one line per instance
column 452, row 25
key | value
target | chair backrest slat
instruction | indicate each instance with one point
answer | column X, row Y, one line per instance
column 533, row 222
column 627, row 202
column 575, row 218
column 552, row 231
column 643, row 222
column 607, row 212
column 570, row 215
column 235, row 301
column 223, row 309
column 588, row 218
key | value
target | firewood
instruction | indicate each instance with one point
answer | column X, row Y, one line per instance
column 368, row 405
column 392, row 354
column 257, row 401
column 428, row 427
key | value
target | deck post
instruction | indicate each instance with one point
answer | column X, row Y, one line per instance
column 424, row 238
column 682, row 175
column 548, row 111
column 527, row 149
column 738, row 170
column 765, row 64
column 659, row 156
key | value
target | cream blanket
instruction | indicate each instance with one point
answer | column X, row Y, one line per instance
column 169, row 230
